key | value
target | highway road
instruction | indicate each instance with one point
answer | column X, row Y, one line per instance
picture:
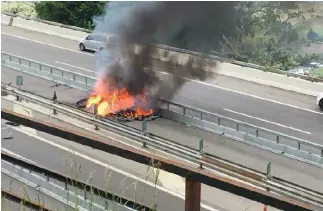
column 287, row 112
column 118, row 175
column 285, row 168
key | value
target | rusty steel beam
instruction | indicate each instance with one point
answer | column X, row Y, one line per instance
column 192, row 195
column 175, row 167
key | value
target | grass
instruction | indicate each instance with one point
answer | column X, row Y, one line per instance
column 87, row 191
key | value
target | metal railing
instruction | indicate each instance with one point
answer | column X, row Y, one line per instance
column 289, row 146
column 184, row 51
column 63, row 188
column 209, row 162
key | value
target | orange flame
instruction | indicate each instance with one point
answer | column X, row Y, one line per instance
column 109, row 101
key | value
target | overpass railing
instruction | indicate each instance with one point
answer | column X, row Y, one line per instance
column 263, row 138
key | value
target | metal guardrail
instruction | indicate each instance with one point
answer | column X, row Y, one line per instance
column 63, row 188
column 289, row 146
column 208, row 161
column 184, row 51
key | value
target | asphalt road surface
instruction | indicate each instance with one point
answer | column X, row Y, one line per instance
column 285, row 168
column 287, row 112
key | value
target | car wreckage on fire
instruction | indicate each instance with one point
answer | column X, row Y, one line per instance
column 110, row 99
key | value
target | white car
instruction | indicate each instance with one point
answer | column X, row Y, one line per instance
column 319, row 100
column 96, row 42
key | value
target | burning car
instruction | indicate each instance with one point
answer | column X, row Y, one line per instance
column 110, row 98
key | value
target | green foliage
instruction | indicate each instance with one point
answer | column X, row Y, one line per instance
column 75, row 13
column 264, row 35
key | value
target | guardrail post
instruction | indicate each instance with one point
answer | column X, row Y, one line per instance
column 201, row 147
column 298, row 145
column 144, row 132
column 54, row 111
column 96, row 127
column 268, row 172
column 192, row 195
column 321, row 152
column 237, row 127
column 277, row 139
column 106, row 206
column 257, row 133
column 85, row 194
column 201, row 116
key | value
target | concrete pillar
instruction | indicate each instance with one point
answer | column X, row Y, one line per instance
column 192, row 195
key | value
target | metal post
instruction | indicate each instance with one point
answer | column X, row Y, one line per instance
column 201, row 146
column 144, row 131
column 257, row 133
column 96, row 127
column 85, row 196
column 54, row 111
column 192, row 195
column 268, row 173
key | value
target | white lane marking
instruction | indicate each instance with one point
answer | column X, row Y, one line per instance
column 171, row 181
column 196, row 81
column 69, row 65
column 249, row 95
column 16, row 155
column 39, row 42
column 128, row 175
column 267, row 121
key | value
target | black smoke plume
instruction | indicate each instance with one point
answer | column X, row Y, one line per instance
column 179, row 24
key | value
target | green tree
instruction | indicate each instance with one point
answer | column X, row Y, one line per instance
column 75, row 13
column 264, row 35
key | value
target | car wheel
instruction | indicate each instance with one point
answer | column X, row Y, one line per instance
column 321, row 104
column 82, row 47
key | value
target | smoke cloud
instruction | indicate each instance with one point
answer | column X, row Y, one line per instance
column 183, row 24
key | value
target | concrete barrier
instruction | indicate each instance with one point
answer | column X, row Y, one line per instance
column 243, row 71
